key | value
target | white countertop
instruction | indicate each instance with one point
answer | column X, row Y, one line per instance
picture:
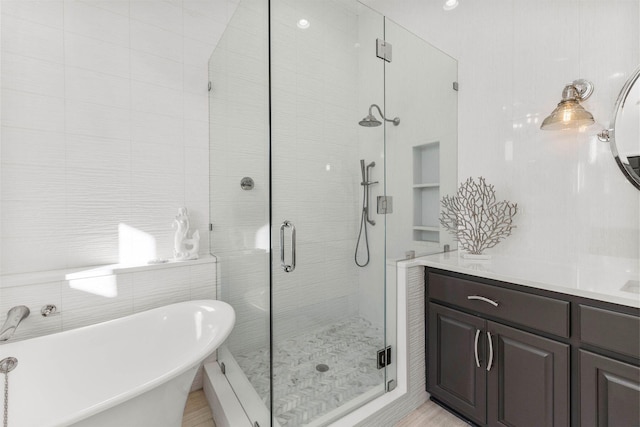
column 599, row 278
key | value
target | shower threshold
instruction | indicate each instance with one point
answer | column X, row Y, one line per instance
column 228, row 412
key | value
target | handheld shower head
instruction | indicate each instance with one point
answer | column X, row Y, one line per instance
column 371, row 121
column 362, row 170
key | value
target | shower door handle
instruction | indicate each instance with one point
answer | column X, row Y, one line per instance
column 288, row 268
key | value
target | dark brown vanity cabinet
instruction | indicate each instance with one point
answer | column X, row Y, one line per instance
column 610, row 392
column 528, row 384
column 609, row 387
column 456, row 379
column 501, row 356
column 494, row 374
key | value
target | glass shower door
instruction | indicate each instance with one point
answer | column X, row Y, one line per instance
column 328, row 313
column 239, row 200
column 296, row 93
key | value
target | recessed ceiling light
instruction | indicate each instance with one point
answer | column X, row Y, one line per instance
column 450, row 4
column 303, row 24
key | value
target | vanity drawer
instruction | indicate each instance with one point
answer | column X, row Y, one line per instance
column 542, row 313
column 610, row 330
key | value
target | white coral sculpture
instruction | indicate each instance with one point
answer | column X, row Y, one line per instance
column 474, row 217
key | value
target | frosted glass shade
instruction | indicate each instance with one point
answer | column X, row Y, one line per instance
column 567, row 115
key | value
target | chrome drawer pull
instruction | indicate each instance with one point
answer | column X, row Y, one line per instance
column 479, row 298
column 490, row 351
column 475, row 348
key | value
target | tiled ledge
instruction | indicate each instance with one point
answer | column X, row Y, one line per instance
column 23, row 279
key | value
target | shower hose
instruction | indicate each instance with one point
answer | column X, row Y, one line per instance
column 363, row 227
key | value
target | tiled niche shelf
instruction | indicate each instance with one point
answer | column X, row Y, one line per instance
column 426, row 192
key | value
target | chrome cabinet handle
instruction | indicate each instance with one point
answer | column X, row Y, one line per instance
column 490, row 351
column 288, row 268
column 479, row 298
column 475, row 348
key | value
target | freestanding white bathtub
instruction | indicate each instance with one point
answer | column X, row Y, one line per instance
column 134, row 371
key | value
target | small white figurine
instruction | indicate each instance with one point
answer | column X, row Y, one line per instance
column 184, row 248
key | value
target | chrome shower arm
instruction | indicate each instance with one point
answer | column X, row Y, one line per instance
column 379, row 110
column 395, row 121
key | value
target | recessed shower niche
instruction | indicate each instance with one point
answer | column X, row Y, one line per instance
column 426, row 192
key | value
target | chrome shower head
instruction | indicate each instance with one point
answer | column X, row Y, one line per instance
column 370, row 121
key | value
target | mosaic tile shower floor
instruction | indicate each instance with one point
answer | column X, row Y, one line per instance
column 301, row 392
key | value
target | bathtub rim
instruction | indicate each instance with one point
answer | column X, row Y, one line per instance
column 144, row 387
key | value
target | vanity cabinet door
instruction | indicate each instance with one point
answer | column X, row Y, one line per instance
column 528, row 380
column 453, row 374
column 609, row 392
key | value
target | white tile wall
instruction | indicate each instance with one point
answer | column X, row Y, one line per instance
column 85, row 19
column 94, row 54
column 104, row 112
column 97, row 299
column 573, row 200
column 92, row 296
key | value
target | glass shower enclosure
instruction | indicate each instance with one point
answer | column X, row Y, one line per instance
column 297, row 197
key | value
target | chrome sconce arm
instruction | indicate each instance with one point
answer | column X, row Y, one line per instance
column 605, row 135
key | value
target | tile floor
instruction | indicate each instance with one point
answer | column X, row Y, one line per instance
column 198, row 414
column 302, row 390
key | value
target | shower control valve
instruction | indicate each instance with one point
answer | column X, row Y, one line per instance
column 385, row 205
column 48, row 310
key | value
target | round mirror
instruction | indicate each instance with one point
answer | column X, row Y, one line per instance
column 624, row 135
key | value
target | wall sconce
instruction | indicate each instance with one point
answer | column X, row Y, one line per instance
column 569, row 113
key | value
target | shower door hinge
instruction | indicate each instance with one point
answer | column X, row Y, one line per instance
column 383, row 50
column 210, row 227
column 391, row 385
column 456, row 86
column 223, row 368
column 384, row 357
column 385, row 205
